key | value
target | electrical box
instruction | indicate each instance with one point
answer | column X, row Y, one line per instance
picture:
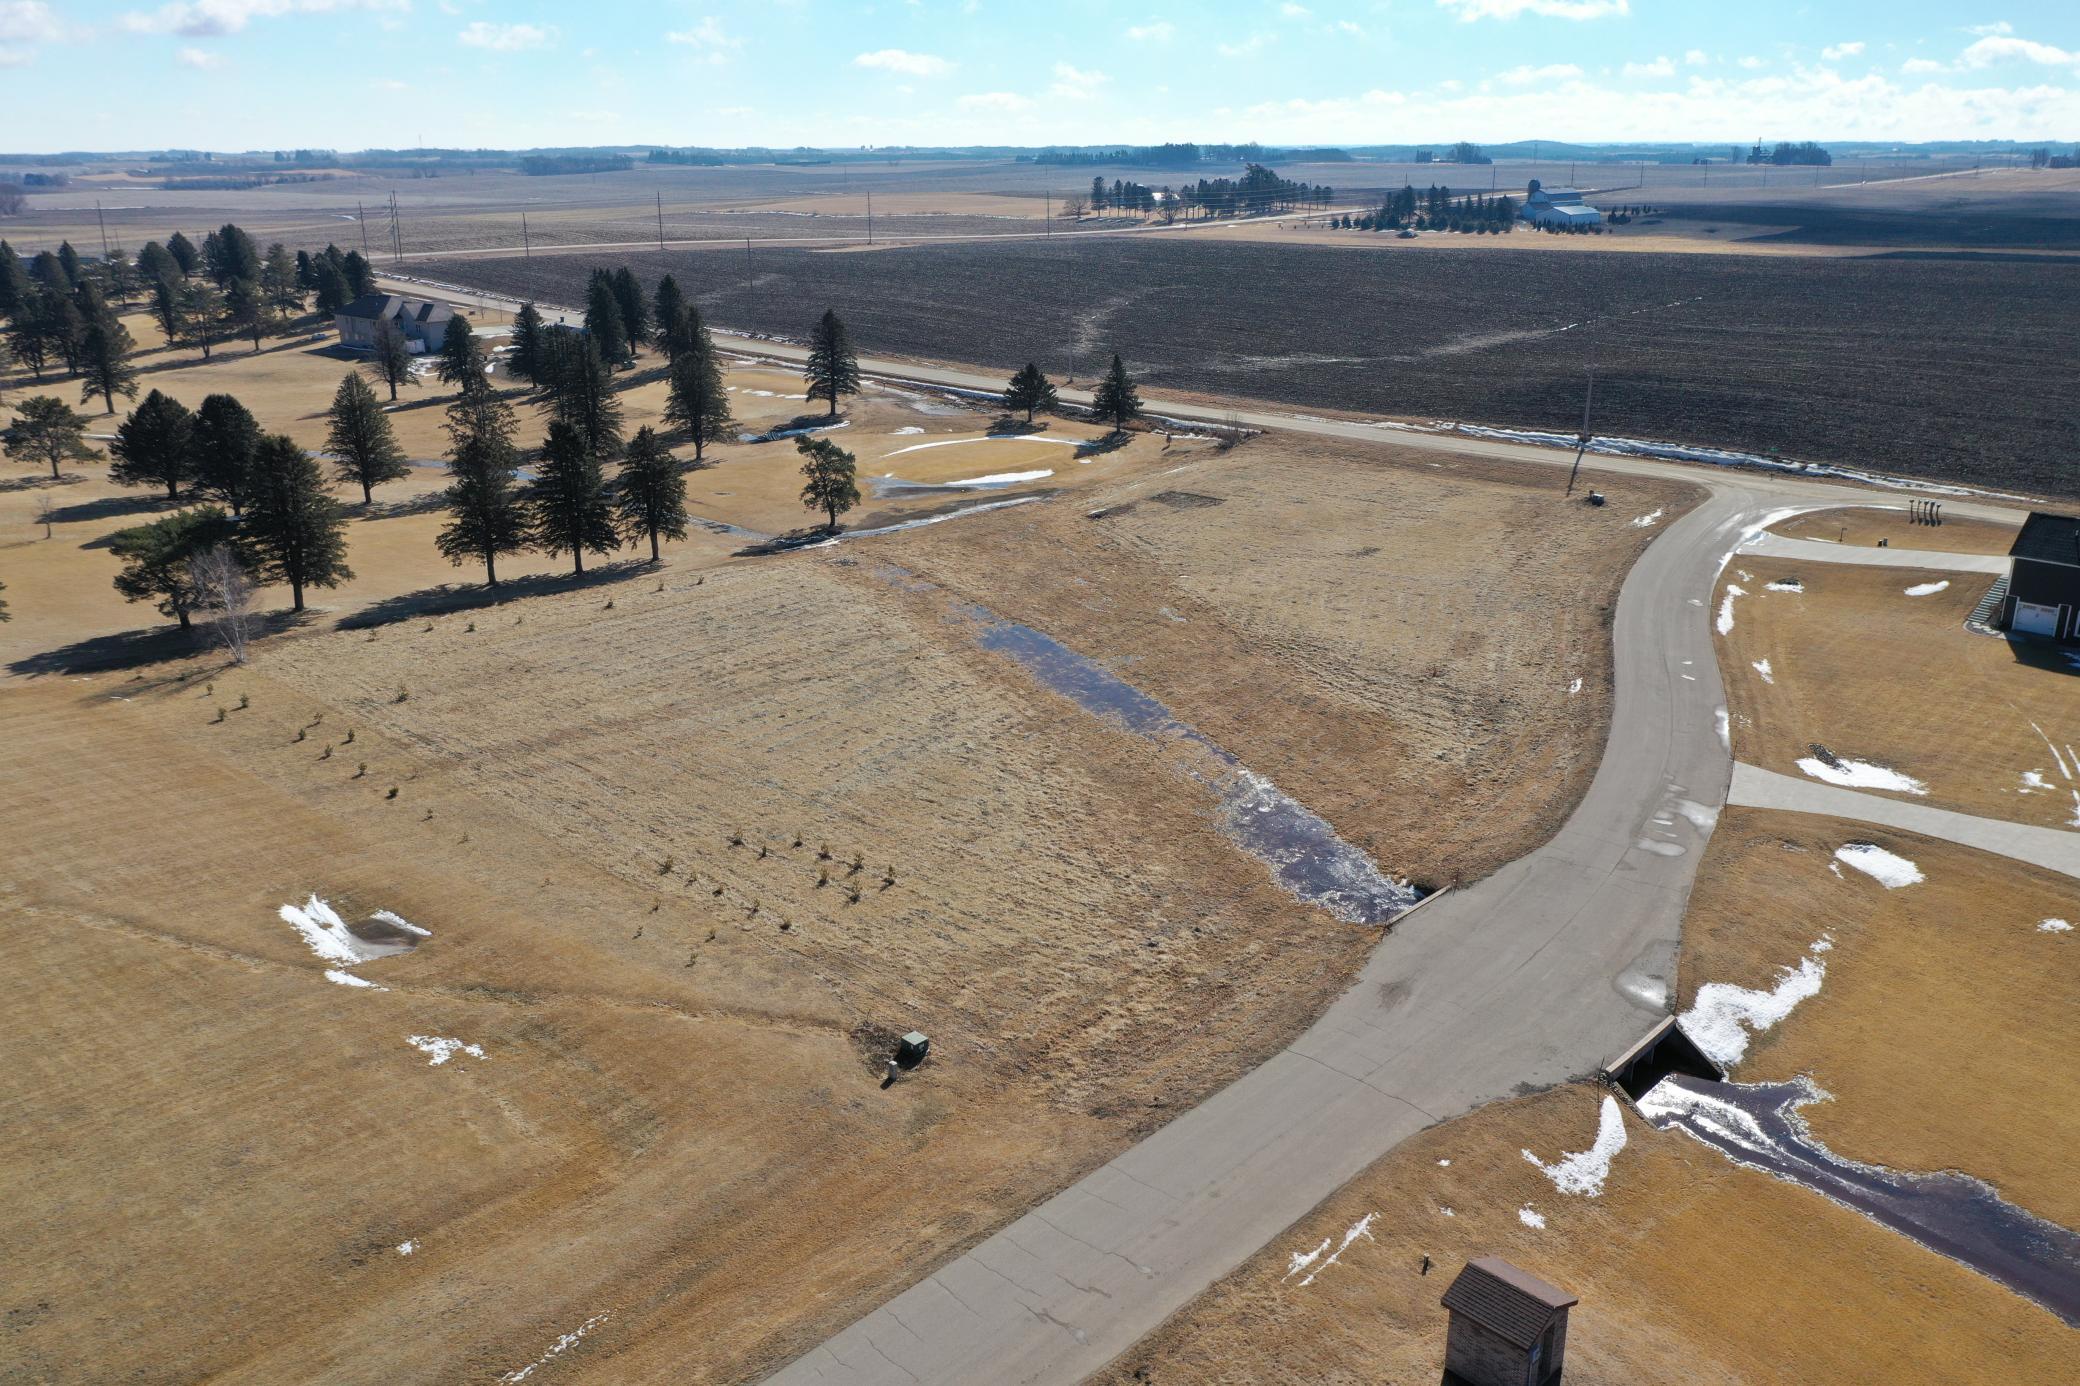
column 911, row 1049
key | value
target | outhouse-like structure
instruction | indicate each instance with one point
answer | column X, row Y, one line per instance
column 1508, row 1327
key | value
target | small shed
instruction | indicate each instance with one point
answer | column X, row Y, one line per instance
column 1508, row 1327
column 2044, row 578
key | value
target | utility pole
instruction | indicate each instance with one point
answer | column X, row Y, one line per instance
column 103, row 222
column 660, row 219
column 870, row 218
column 396, row 234
column 526, row 245
column 361, row 215
column 1582, row 442
column 1047, row 217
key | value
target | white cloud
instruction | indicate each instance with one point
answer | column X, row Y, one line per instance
column 1350, row 27
column 1914, row 66
column 390, row 84
column 28, row 21
column 903, row 61
column 707, row 38
column 1753, row 63
column 1999, row 26
column 1471, row 10
column 211, row 18
column 1293, row 11
column 1249, row 47
column 1660, row 67
column 1155, row 31
column 1836, row 52
column 1696, row 57
column 1527, row 74
column 196, row 57
column 1076, row 84
column 508, row 38
column 994, row 101
column 2000, row 49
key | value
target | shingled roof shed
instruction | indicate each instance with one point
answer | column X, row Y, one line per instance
column 1508, row 1327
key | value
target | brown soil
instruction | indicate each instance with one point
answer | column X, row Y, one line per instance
column 1875, row 675
column 1863, row 526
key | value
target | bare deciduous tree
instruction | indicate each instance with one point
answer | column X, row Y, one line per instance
column 45, row 513
column 225, row 592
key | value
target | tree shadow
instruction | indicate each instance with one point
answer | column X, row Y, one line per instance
column 789, row 542
column 398, row 509
column 113, row 507
column 449, row 598
column 151, row 645
column 31, row 483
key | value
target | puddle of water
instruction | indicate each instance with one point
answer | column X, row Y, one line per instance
column 1758, row 1125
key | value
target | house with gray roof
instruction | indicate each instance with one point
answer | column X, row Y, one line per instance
column 423, row 323
column 1562, row 207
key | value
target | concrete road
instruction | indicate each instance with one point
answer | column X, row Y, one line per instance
column 1754, row 787
column 1822, row 551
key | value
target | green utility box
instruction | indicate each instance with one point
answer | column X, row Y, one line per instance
column 911, row 1049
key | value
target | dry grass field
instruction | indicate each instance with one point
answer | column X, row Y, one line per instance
column 1691, row 1269
column 1894, row 680
column 1863, row 526
column 611, row 804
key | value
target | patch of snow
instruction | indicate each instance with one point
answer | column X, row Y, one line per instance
column 1926, row 589
column 1647, row 521
column 1301, row 1260
column 908, row 430
column 1888, row 869
column 1762, row 668
column 1787, row 585
column 2033, row 780
column 1530, row 1219
column 1861, row 774
column 1003, row 478
column 1725, row 729
column 2056, row 754
column 568, row 1340
column 348, row 979
column 986, row 438
column 1723, row 1016
column 1576, row 686
column 1361, row 1228
column 327, row 935
column 1448, row 1212
column 442, row 1050
column 397, row 921
column 1700, row 816
column 1444, row 1164
column 1584, row 1172
column 407, row 1248
column 2054, row 926
column 1724, row 624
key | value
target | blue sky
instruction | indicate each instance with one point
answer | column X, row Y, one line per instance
column 349, row 74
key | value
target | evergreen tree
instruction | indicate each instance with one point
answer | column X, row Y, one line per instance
column 226, row 437
column 462, row 355
column 1116, row 398
column 833, row 367
column 306, row 272
column 14, row 284
column 228, row 253
column 650, row 500
column 49, row 272
column 635, row 312
column 581, row 394
column 202, row 313
column 184, row 254
column 46, row 432
column 697, row 402
column 280, row 282
column 359, row 274
column 331, row 286
column 105, row 368
column 156, row 263
column 669, row 306
column 64, row 327
column 155, row 446
column 244, row 309
column 603, row 318
column 832, row 478
column 567, row 507
column 390, row 359
column 486, row 516
column 166, row 309
column 28, row 336
column 294, row 530
column 1029, row 390
column 363, row 446
column 525, row 361
column 157, row 556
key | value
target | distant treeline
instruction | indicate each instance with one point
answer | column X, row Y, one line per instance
column 545, row 165
column 1180, row 155
column 235, row 182
column 1804, row 153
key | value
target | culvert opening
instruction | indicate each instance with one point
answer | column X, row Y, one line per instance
column 1663, row 1050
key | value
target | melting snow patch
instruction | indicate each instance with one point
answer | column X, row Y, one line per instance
column 1725, row 622
column 1648, row 521
column 1575, row 687
column 2033, row 780
column 1361, row 1228
column 1448, row 1212
column 1861, row 774
column 348, row 979
column 1787, row 585
column 2054, row 926
column 1926, row 589
column 1584, row 1172
column 1301, row 1260
column 568, row 1340
column 1884, row 867
column 1002, row 478
column 1725, row 729
column 1762, row 668
column 328, row 935
column 1444, row 1164
column 907, row 430
column 407, row 1248
column 1723, row 1015
column 1530, row 1219
column 442, row 1050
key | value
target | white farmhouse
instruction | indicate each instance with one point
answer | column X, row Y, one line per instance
column 1562, row 207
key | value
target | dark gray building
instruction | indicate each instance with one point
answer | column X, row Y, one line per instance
column 1508, row 1327
column 2044, row 578
column 422, row 323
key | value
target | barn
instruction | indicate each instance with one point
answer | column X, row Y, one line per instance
column 422, row 323
column 2044, row 578
column 1562, row 207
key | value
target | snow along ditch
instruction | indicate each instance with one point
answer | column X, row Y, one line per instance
column 1860, row 774
column 1584, row 1172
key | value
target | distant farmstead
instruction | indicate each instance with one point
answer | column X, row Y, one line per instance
column 1508, row 1327
column 1561, row 207
column 2044, row 578
column 422, row 323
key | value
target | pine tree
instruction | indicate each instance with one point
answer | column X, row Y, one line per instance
column 526, row 359
column 202, row 313
column 14, row 284
column 697, row 402
column 64, row 327
column 360, row 276
column 581, row 394
column 462, row 355
column 390, row 359
column 650, row 500
column 486, row 515
column 183, row 252
column 226, row 436
column 280, row 283
column 603, row 318
column 833, row 367
column 156, row 558
column 567, row 507
column 46, row 431
column 832, row 478
column 294, row 531
column 105, row 368
column 28, row 336
column 157, row 264
column 1029, row 390
column 363, row 446
column 331, row 287
column 635, row 312
column 1116, row 398
column 166, row 309
column 667, row 317
column 244, row 311
column 155, row 446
